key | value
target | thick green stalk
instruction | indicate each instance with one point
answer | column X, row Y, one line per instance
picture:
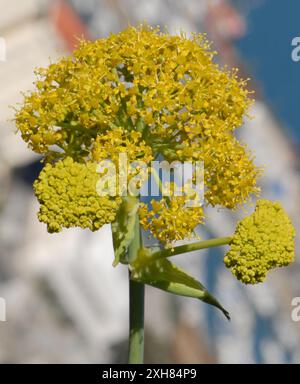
column 191, row 247
column 136, row 306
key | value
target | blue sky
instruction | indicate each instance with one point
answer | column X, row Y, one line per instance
column 267, row 50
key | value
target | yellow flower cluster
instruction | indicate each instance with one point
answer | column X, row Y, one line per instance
column 170, row 219
column 111, row 144
column 262, row 241
column 68, row 197
column 146, row 93
column 229, row 173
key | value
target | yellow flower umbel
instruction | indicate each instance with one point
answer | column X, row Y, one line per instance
column 68, row 197
column 145, row 93
column 262, row 241
column 169, row 220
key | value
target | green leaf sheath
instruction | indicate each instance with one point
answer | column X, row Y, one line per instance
column 123, row 228
column 167, row 276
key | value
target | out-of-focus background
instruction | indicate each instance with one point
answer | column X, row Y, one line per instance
column 65, row 303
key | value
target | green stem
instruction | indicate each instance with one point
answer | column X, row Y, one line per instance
column 136, row 305
column 191, row 247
